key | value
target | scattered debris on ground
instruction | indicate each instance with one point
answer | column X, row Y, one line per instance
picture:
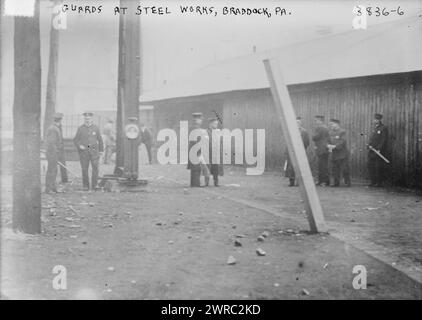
column 231, row 260
column 237, row 243
column 260, row 252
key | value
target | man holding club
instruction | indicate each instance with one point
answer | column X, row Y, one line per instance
column 378, row 143
column 54, row 148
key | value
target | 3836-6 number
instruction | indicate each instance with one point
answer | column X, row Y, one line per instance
column 377, row 11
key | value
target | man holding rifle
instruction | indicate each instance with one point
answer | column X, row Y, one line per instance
column 378, row 142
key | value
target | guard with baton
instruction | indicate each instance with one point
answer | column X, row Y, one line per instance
column 378, row 143
column 53, row 146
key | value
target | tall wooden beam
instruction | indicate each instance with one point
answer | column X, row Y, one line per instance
column 128, row 86
column 297, row 153
column 131, row 89
column 119, row 115
column 51, row 95
column 26, row 125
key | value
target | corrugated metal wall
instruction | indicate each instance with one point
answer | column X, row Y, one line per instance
column 353, row 101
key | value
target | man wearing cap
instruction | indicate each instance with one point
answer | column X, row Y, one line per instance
column 216, row 169
column 54, row 147
column 339, row 153
column 90, row 145
column 201, row 167
column 290, row 173
column 379, row 141
column 320, row 138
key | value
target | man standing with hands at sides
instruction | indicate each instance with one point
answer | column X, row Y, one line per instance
column 378, row 141
column 216, row 169
column 320, row 138
column 339, row 153
column 290, row 173
column 54, row 148
column 90, row 146
column 201, row 167
column 146, row 139
column 109, row 140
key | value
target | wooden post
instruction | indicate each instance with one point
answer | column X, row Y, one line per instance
column 128, row 87
column 119, row 116
column 26, row 125
column 297, row 153
column 51, row 96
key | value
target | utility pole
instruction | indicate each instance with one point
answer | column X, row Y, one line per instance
column 128, row 91
column 51, row 96
column 26, row 125
column 118, row 170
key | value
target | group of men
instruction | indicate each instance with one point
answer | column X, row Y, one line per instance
column 90, row 146
column 205, row 168
column 331, row 146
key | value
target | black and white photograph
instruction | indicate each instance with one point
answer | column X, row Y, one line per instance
column 224, row 152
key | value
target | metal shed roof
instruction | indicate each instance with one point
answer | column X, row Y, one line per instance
column 380, row 49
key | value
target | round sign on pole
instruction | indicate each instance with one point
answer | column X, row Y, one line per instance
column 131, row 131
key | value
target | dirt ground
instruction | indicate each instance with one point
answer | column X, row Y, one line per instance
column 170, row 241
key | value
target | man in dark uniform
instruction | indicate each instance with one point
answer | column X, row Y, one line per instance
column 216, row 169
column 320, row 138
column 54, row 148
column 90, row 145
column 290, row 173
column 339, row 153
column 195, row 169
column 379, row 141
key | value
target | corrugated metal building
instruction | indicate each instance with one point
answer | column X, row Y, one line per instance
column 348, row 76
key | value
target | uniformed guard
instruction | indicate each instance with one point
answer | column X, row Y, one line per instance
column 339, row 153
column 290, row 173
column 54, row 147
column 90, row 146
column 215, row 169
column 320, row 138
column 378, row 141
column 197, row 169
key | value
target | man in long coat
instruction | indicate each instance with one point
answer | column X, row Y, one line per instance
column 90, row 146
column 320, row 138
column 197, row 168
column 379, row 141
column 216, row 169
column 290, row 173
column 339, row 153
column 54, row 147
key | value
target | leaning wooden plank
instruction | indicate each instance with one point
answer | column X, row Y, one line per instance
column 297, row 153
